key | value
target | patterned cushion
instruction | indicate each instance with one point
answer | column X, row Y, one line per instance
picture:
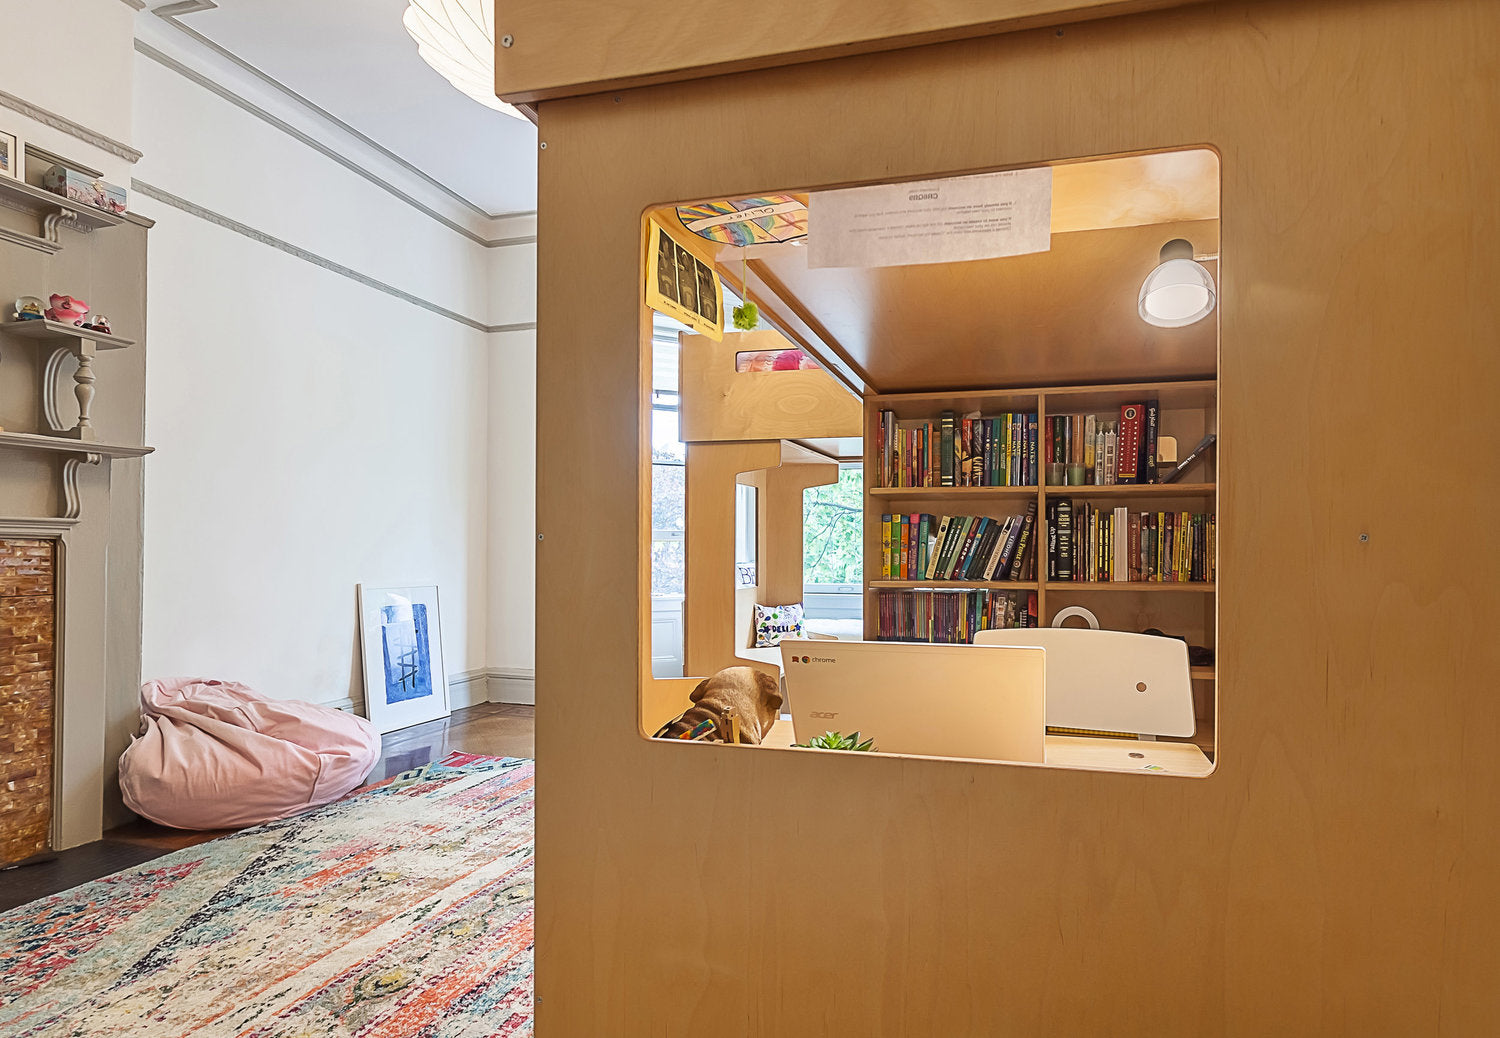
column 775, row 622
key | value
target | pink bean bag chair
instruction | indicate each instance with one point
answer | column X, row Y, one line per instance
column 216, row 755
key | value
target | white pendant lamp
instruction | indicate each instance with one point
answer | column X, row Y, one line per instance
column 457, row 37
column 1180, row 291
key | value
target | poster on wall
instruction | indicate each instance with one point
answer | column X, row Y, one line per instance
column 401, row 643
column 953, row 220
column 681, row 285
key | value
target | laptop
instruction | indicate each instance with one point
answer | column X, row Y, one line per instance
column 972, row 701
column 1111, row 681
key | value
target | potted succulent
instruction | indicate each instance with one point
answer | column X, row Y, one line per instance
column 837, row 741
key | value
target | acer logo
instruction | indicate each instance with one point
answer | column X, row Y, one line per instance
column 822, row 714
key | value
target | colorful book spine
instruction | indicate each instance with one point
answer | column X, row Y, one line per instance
column 1148, row 442
column 1128, row 455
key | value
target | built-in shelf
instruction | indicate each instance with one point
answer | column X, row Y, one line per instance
column 57, row 332
column 69, row 445
column 1201, row 673
column 956, row 585
column 17, row 194
column 952, row 493
column 1131, row 585
column 1134, row 490
column 30, row 241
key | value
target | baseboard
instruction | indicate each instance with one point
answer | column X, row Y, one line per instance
column 472, row 687
column 512, row 685
column 468, row 689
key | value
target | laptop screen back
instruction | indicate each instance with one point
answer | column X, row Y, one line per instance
column 971, row 701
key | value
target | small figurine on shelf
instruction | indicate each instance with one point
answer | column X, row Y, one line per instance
column 67, row 310
column 29, row 308
column 98, row 323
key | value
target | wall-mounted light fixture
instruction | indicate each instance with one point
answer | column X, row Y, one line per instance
column 1180, row 291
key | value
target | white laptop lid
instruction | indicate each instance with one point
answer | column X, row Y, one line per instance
column 985, row 702
column 1112, row 681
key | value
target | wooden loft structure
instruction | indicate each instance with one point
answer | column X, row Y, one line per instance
column 1333, row 874
column 778, row 431
column 967, row 336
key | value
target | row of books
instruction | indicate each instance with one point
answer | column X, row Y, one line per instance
column 1086, row 543
column 1110, row 450
column 950, row 616
column 920, row 546
column 958, row 451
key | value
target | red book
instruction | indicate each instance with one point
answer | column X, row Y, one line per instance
column 1128, row 452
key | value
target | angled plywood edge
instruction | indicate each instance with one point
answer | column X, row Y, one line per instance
column 549, row 50
column 719, row 402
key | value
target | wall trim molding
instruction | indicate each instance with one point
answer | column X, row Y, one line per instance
column 139, row 5
column 512, row 685
column 465, row 689
column 229, row 224
column 73, row 129
column 193, row 76
column 171, row 14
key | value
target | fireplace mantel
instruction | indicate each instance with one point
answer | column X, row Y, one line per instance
column 73, row 474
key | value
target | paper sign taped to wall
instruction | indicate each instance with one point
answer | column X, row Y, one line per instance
column 932, row 221
column 681, row 285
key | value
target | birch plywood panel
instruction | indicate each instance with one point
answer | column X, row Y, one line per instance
column 1336, row 874
column 27, row 628
column 574, row 47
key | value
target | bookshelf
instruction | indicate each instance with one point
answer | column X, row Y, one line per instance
column 1188, row 410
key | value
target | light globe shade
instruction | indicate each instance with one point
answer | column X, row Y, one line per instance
column 457, row 38
column 1177, row 293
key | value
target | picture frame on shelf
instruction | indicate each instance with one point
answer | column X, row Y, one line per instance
column 401, row 645
column 10, row 155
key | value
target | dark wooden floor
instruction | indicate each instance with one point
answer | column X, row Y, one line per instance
column 501, row 729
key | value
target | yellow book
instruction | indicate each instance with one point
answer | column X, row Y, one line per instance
column 885, row 546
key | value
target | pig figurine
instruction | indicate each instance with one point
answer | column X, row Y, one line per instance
column 67, row 310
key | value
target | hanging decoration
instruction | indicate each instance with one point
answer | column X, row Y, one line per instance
column 747, row 221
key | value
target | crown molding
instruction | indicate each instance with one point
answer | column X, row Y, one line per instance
column 172, row 14
column 68, row 126
column 256, row 235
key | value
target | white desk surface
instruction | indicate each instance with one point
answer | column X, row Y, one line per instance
column 1081, row 751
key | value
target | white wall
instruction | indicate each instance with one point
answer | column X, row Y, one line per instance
column 512, row 475
column 91, row 86
column 312, row 432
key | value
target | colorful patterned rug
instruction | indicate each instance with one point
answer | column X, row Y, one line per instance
column 401, row 911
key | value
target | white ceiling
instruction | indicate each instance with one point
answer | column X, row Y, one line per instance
column 353, row 59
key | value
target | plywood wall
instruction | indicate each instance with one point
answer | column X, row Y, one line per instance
column 1337, row 874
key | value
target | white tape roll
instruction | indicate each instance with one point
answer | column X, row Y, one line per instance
column 1071, row 611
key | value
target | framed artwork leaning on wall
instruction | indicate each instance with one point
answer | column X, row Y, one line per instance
column 401, row 643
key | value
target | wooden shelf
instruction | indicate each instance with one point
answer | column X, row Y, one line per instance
column 1131, row 585
column 1202, row 737
column 952, row 493
column 57, row 332
column 16, row 194
column 1135, row 490
column 954, row 585
column 68, row 445
column 1201, row 673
